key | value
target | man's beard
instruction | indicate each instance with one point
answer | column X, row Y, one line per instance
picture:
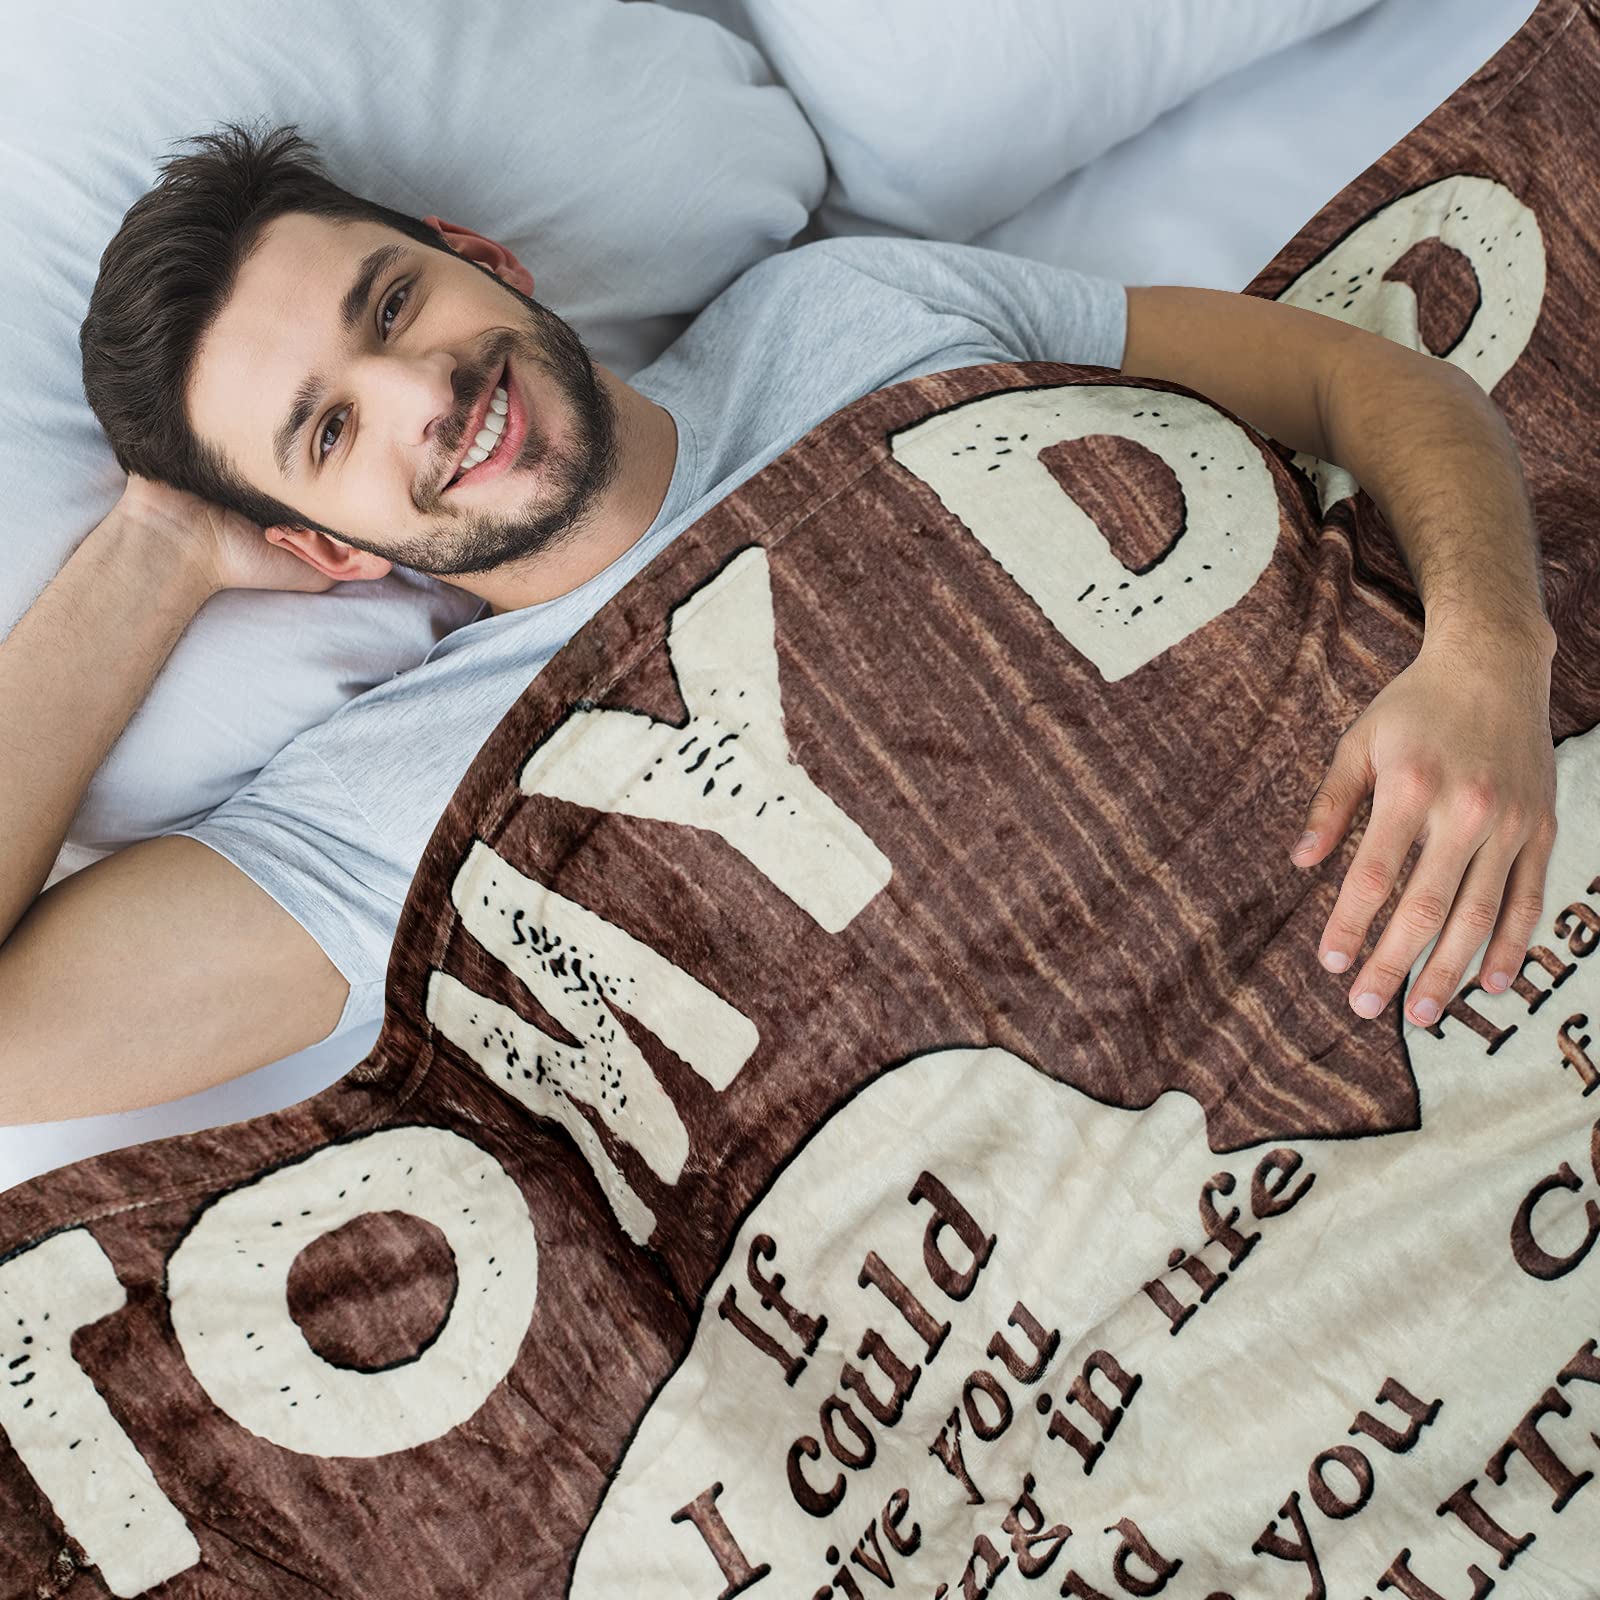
column 572, row 473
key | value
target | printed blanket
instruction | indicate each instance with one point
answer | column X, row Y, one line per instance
column 858, row 1109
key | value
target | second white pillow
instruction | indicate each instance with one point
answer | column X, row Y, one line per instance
column 941, row 117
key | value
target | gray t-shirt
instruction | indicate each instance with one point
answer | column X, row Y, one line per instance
column 334, row 825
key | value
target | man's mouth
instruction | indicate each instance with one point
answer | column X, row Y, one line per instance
column 493, row 430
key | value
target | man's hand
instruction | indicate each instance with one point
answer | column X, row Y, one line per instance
column 231, row 550
column 1456, row 754
column 1456, row 751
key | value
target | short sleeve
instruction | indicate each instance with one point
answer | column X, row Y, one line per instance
column 1042, row 311
column 296, row 833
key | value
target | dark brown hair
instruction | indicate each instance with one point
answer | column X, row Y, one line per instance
column 166, row 275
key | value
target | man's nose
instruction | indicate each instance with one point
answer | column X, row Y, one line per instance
column 415, row 394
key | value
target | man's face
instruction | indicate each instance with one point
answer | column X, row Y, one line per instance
column 384, row 406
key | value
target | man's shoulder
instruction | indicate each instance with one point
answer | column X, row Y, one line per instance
column 417, row 728
column 817, row 283
column 880, row 257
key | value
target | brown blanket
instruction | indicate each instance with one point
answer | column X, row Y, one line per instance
column 858, row 1109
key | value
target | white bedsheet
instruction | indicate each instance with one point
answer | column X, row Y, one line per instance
column 1207, row 196
column 1209, row 193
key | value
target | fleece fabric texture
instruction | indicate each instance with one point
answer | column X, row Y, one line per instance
column 858, row 1110
column 334, row 825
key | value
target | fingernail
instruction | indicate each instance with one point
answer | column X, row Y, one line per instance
column 1497, row 981
column 1336, row 961
column 1425, row 1010
column 1304, row 843
column 1368, row 1004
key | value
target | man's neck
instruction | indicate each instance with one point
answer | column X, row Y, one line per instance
column 647, row 438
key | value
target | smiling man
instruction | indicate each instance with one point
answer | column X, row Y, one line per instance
column 306, row 388
column 432, row 412
column 493, row 441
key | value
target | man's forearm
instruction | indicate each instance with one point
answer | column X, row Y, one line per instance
column 1434, row 453
column 1423, row 440
column 72, row 672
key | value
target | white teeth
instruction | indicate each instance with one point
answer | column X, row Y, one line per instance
column 494, row 424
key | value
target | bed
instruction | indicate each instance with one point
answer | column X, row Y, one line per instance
column 1039, row 1214
column 1198, row 197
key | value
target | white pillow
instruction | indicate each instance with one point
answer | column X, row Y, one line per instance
column 943, row 117
column 635, row 158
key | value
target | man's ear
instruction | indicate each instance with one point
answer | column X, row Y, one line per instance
column 495, row 256
column 331, row 557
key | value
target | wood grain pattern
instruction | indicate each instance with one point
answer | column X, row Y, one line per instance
column 1091, row 875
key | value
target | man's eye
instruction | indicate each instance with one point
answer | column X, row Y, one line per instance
column 399, row 294
column 323, row 448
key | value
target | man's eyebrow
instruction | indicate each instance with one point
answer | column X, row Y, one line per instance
column 308, row 397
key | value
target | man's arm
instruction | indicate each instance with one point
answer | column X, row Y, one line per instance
column 161, row 969
column 72, row 672
column 1420, row 437
column 153, row 973
column 1456, row 750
